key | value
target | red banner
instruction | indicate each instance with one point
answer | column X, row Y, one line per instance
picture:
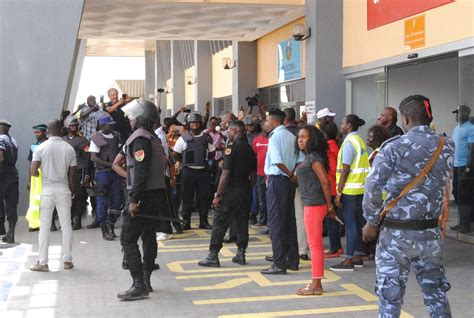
column 381, row 12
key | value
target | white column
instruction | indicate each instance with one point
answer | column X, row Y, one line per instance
column 203, row 65
column 244, row 76
column 177, row 76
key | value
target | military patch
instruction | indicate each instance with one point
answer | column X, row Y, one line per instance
column 228, row 151
column 139, row 155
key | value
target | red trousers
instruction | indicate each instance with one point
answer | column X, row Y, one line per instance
column 313, row 221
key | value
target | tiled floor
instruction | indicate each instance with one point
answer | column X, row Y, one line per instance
column 182, row 289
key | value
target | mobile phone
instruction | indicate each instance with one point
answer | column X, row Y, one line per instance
column 101, row 98
column 124, row 95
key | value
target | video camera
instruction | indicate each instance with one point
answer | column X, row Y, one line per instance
column 253, row 101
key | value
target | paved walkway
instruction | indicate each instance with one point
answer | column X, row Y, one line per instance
column 182, row 289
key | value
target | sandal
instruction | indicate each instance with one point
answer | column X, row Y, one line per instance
column 306, row 291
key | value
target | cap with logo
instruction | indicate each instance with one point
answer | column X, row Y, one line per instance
column 106, row 119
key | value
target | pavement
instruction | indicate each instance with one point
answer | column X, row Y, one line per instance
column 182, row 289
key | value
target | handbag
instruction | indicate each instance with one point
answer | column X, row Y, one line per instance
column 426, row 169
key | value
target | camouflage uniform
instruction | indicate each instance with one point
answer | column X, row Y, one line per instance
column 400, row 159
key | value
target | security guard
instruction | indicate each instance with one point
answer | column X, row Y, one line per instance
column 410, row 237
column 234, row 195
column 9, row 191
column 145, row 160
column 193, row 149
column 81, row 147
column 103, row 148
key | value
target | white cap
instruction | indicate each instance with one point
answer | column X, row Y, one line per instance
column 325, row 112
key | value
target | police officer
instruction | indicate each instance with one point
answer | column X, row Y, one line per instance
column 145, row 160
column 410, row 237
column 9, row 191
column 234, row 195
column 81, row 147
column 193, row 149
column 103, row 148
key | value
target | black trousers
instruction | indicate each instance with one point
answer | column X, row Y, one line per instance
column 465, row 197
column 9, row 193
column 281, row 221
column 152, row 204
column 235, row 208
column 199, row 181
column 79, row 203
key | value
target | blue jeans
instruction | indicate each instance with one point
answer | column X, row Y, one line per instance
column 333, row 231
column 110, row 188
column 354, row 221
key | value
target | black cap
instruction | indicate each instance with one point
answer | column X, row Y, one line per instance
column 237, row 123
column 463, row 109
column 42, row 127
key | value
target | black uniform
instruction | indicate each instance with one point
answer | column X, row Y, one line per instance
column 9, row 191
column 83, row 168
column 240, row 159
column 146, row 186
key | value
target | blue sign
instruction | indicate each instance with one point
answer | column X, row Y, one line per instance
column 289, row 60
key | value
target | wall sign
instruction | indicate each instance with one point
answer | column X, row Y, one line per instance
column 381, row 12
column 415, row 32
column 289, row 60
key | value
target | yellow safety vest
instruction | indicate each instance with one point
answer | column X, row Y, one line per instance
column 33, row 214
column 359, row 169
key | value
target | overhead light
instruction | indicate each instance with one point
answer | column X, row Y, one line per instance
column 227, row 63
column 299, row 33
column 190, row 80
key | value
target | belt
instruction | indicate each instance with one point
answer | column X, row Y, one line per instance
column 419, row 225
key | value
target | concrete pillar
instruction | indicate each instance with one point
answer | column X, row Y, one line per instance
column 177, row 76
column 38, row 46
column 244, row 75
column 203, row 65
column 324, row 81
column 150, row 73
column 79, row 62
column 162, row 68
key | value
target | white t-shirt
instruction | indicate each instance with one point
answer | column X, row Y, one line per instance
column 182, row 145
column 56, row 156
column 96, row 149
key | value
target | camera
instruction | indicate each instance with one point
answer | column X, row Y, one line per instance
column 124, row 96
column 253, row 101
column 101, row 99
column 161, row 90
column 186, row 110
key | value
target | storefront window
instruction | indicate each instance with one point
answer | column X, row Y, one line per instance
column 368, row 99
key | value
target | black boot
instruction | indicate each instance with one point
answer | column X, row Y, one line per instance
column 137, row 291
column 239, row 257
column 105, row 233
column 146, row 280
column 204, row 224
column 186, row 225
column 94, row 224
column 212, row 260
column 10, row 237
column 76, row 223
column 2, row 228
column 111, row 229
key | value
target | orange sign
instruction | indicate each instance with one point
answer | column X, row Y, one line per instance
column 415, row 32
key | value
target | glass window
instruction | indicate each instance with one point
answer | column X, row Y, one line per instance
column 368, row 99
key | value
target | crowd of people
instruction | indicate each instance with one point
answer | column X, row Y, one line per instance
column 296, row 180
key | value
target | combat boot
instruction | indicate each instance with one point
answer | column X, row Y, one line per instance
column 239, row 257
column 212, row 260
column 111, row 229
column 2, row 228
column 76, row 223
column 105, row 233
column 146, row 280
column 137, row 291
column 10, row 237
column 93, row 224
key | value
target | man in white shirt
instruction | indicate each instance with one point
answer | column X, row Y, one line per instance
column 57, row 160
column 193, row 149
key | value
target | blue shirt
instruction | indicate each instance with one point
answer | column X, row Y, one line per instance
column 463, row 135
column 281, row 149
column 348, row 151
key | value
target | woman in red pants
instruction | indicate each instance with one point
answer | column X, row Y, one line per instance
column 315, row 190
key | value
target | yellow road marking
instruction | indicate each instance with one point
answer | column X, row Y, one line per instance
column 180, row 238
column 303, row 312
column 225, row 285
column 264, row 298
